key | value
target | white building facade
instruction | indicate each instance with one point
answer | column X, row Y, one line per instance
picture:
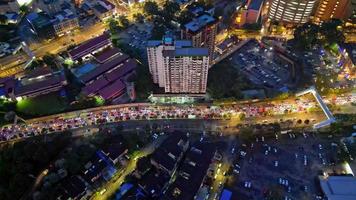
column 177, row 66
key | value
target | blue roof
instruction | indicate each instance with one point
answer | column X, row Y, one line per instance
column 255, row 4
column 192, row 52
column 226, row 195
column 32, row 16
column 80, row 71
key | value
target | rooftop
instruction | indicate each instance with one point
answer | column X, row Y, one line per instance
column 100, row 8
column 169, row 151
column 200, row 22
column 339, row 187
column 192, row 172
column 101, row 69
column 177, row 43
column 33, row 84
column 89, row 46
column 107, row 54
column 113, row 90
column 255, row 5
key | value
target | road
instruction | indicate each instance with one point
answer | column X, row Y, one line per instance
column 253, row 112
column 14, row 64
column 114, row 184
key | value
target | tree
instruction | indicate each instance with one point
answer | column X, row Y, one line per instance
column 3, row 19
column 184, row 17
column 246, row 134
column 252, row 27
column 225, row 81
column 24, row 9
column 306, row 36
column 49, row 60
column 113, row 26
column 169, row 10
column 139, row 18
column 123, row 21
column 331, row 31
column 150, row 8
column 158, row 31
column 143, row 82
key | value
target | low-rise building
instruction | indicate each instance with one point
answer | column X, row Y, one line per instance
column 170, row 153
column 85, row 50
column 7, row 6
column 64, row 22
column 103, row 9
column 192, row 173
column 50, row 6
column 71, row 188
column 41, row 81
column 225, row 45
column 41, row 24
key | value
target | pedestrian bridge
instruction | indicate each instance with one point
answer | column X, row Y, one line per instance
column 327, row 112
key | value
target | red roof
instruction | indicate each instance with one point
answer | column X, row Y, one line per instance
column 89, row 46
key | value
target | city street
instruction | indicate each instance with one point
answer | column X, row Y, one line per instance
column 14, row 64
column 292, row 109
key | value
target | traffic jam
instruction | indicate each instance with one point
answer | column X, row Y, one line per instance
column 111, row 114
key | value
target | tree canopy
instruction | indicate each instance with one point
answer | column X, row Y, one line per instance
column 225, row 81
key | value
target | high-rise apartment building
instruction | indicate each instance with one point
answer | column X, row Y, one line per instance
column 177, row 66
column 291, row 11
column 202, row 32
column 328, row 9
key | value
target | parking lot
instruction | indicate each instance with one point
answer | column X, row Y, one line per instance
column 288, row 166
column 262, row 66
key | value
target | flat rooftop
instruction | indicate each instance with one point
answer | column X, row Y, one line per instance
column 200, row 22
column 339, row 187
column 255, row 5
column 177, row 43
column 186, row 52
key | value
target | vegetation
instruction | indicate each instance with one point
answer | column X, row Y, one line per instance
column 26, row 159
column 309, row 34
column 7, row 32
column 41, row 105
column 139, row 18
column 253, row 27
column 143, row 83
column 3, row 19
column 225, row 81
column 48, row 60
column 150, row 8
column 24, row 9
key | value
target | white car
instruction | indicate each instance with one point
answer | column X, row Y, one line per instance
column 276, row 163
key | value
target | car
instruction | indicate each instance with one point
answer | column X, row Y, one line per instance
column 276, row 163
column 236, row 171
